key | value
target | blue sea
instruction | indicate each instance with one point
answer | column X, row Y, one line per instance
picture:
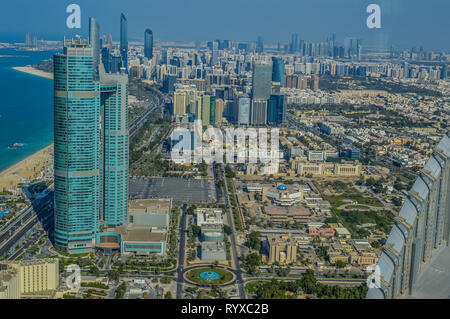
column 26, row 106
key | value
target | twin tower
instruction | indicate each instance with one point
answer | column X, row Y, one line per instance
column 91, row 147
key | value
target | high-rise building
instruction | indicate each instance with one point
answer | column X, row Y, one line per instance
column 421, row 229
column 258, row 112
column 277, row 109
column 148, row 44
column 444, row 71
column 278, row 70
column 124, row 40
column 206, row 109
column 352, row 47
column 260, row 44
column 94, row 41
column 262, row 81
column 294, row 46
column 243, row 103
column 179, row 102
column 114, row 149
column 91, row 148
column 220, row 105
column 77, row 147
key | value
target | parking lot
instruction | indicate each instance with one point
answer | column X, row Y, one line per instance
column 179, row 189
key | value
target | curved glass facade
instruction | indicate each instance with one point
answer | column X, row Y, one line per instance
column 421, row 229
column 115, row 148
column 76, row 138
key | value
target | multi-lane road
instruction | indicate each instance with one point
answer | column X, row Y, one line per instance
column 40, row 210
column 237, row 266
column 181, row 253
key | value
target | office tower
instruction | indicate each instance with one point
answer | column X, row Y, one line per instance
column 94, row 41
column 277, row 109
column 259, row 112
column 206, row 109
column 243, row 103
column 260, row 44
column 278, row 70
column 220, row 105
column 124, row 40
column 294, row 46
column 179, row 102
column 214, row 53
column 114, row 149
column 262, row 81
column 352, row 47
column 212, row 110
column 444, row 71
column 420, row 230
column 106, row 59
column 76, row 142
column 261, row 90
column 148, row 44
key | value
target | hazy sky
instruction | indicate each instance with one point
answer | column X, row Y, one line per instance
column 405, row 23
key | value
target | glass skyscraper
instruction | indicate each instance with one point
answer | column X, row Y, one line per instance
column 260, row 44
column 114, row 157
column 124, row 40
column 243, row 110
column 76, row 139
column 421, row 229
column 94, row 41
column 148, row 44
column 278, row 70
column 277, row 109
column 91, row 148
column 262, row 81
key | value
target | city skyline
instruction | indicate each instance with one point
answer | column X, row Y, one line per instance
column 404, row 23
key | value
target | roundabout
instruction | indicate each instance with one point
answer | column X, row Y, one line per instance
column 204, row 275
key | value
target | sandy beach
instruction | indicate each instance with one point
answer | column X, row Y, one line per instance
column 29, row 168
column 33, row 71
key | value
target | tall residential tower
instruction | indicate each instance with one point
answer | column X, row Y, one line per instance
column 124, row 40
column 77, row 147
column 91, row 148
column 148, row 44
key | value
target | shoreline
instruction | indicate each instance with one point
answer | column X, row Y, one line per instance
column 33, row 71
column 26, row 168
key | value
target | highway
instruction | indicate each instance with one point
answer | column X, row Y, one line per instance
column 41, row 209
column 134, row 126
column 237, row 266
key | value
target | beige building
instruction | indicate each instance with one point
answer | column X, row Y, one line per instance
column 9, row 283
column 32, row 277
column 179, row 103
column 328, row 169
column 282, row 249
column 220, row 104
